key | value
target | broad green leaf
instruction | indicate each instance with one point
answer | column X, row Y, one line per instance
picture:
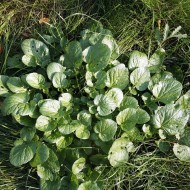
column 156, row 78
column 167, row 91
column 131, row 132
column 35, row 80
column 111, row 43
column 84, row 117
column 142, row 116
column 149, row 101
column 29, row 60
column 156, row 61
column 140, row 78
column 3, row 88
column 37, row 49
column 15, row 62
column 49, row 168
column 127, row 115
column 164, row 146
column 27, row 133
column 88, row 185
column 59, row 81
column 108, row 103
column 128, row 102
column 53, row 68
column 25, row 120
column 50, row 108
column 172, row 120
column 97, row 57
column 184, row 101
column 82, row 132
column 119, row 151
column 73, row 56
column 12, row 103
column 106, row 128
column 78, row 165
column 88, row 77
column 16, row 85
column 69, row 128
column 42, row 154
column 65, row 99
column 118, row 77
column 23, row 153
column 101, row 77
column 185, row 137
column 182, row 152
column 44, row 123
column 137, row 60
column 50, row 185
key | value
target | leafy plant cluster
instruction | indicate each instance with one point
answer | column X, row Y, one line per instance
column 80, row 108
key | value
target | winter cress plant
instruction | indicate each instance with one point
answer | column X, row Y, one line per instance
column 80, row 108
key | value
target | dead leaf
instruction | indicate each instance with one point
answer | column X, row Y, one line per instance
column 44, row 20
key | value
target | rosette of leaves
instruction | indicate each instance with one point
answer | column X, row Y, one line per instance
column 79, row 108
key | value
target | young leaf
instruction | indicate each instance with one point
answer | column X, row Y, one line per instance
column 23, row 153
column 106, row 128
column 82, row 132
column 59, row 81
column 140, row 78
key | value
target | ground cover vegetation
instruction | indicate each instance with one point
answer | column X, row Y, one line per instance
column 127, row 108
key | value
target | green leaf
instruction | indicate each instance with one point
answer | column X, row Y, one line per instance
column 69, row 128
column 106, row 128
column 15, row 62
column 167, row 91
column 156, row 61
column 128, row 102
column 44, row 123
column 182, row 152
column 65, row 99
column 78, row 165
column 29, row 60
column 149, row 101
column 82, row 132
column 111, row 43
column 97, row 57
column 23, row 153
column 53, row 68
column 107, row 103
column 88, row 185
column 184, row 139
column 15, row 85
column 172, row 120
column 50, row 168
column 118, row 77
column 85, row 117
column 50, row 108
column 35, row 80
column 101, row 77
column 37, row 49
column 49, row 185
column 12, row 103
column 27, row 133
column 142, row 116
column 59, row 81
column 25, row 120
column 42, row 154
column 3, row 88
column 137, row 60
column 119, row 152
column 140, row 78
column 127, row 115
column 73, row 56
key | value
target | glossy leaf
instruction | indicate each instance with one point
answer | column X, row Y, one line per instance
column 35, row 80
